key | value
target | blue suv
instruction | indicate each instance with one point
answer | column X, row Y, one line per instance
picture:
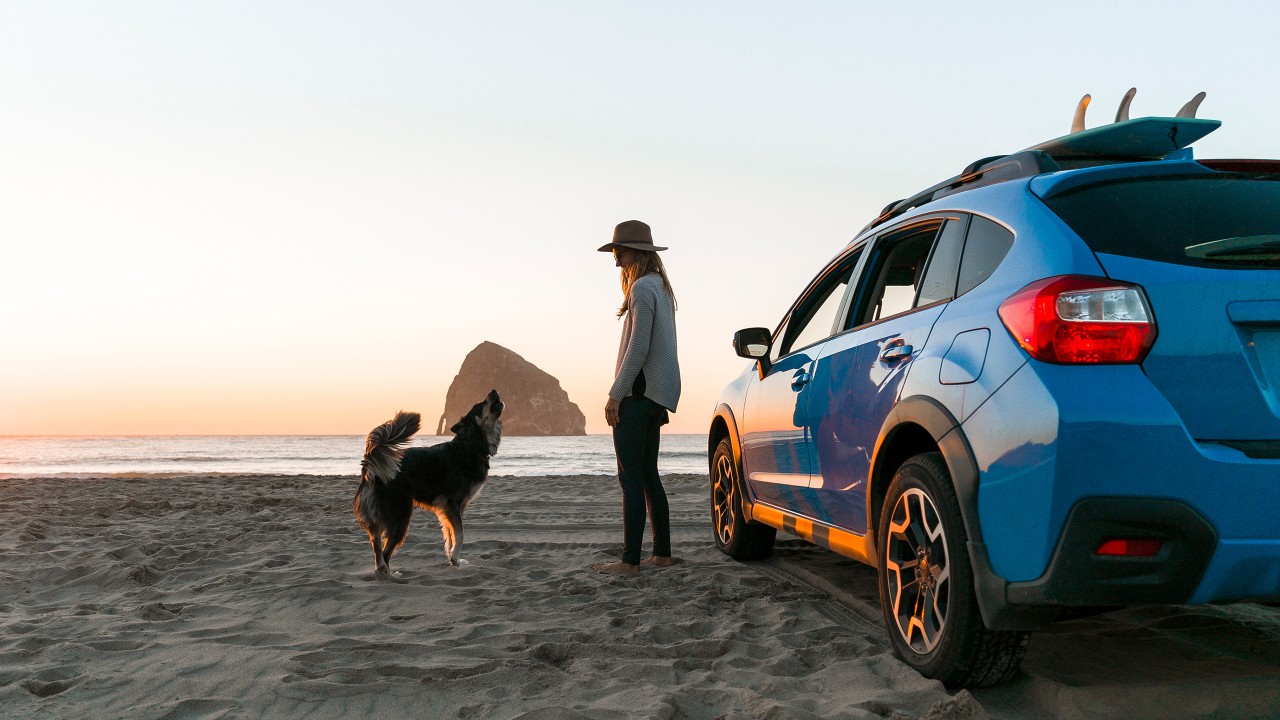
column 1046, row 386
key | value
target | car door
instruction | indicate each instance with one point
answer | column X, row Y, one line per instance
column 910, row 274
column 777, row 454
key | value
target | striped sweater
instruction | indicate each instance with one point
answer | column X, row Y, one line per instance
column 649, row 344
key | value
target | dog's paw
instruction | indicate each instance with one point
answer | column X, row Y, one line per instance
column 458, row 562
column 386, row 576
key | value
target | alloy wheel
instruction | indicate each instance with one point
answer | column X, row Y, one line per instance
column 722, row 498
column 918, row 569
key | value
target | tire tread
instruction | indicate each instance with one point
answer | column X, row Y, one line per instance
column 751, row 540
column 985, row 657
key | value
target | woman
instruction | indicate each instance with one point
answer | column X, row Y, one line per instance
column 646, row 386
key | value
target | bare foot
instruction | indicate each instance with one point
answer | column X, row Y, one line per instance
column 619, row 567
column 661, row 560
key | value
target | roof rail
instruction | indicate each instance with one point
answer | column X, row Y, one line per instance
column 1125, row 140
column 980, row 173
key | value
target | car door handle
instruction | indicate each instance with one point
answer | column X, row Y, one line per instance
column 800, row 379
column 896, row 353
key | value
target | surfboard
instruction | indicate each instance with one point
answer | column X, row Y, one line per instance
column 1145, row 137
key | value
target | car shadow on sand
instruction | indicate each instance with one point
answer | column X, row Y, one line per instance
column 1160, row 661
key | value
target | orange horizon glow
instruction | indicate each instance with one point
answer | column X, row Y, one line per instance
column 224, row 220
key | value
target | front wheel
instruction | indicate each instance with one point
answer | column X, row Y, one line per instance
column 926, row 583
column 736, row 536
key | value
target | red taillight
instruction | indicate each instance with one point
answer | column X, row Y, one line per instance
column 1077, row 320
column 1130, row 547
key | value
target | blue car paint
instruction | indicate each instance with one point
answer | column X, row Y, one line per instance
column 962, row 363
column 775, row 441
column 1017, row 437
column 1199, row 340
column 1045, row 186
column 853, row 383
column 1079, row 449
column 1044, row 437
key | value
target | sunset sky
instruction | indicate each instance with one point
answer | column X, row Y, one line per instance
column 299, row 217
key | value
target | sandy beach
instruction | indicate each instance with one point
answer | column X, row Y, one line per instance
column 253, row 597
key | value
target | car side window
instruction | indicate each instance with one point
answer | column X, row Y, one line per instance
column 985, row 246
column 939, row 282
column 814, row 317
column 895, row 275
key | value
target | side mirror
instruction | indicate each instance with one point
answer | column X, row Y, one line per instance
column 752, row 343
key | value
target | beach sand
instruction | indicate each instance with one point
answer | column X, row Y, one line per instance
column 253, row 597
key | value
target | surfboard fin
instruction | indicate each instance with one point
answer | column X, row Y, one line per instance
column 1189, row 110
column 1077, row 123
column 1123, row 113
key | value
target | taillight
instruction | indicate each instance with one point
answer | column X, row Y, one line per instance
column 1078, row 320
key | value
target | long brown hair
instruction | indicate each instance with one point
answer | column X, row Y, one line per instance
column 642, row 264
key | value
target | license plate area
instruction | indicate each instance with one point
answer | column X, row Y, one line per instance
column 1258, row 324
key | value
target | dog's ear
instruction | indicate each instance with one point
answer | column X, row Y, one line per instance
column 469, row 418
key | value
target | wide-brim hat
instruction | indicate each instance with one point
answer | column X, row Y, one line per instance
column 632, row 235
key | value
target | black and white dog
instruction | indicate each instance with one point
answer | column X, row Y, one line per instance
column 442, row 478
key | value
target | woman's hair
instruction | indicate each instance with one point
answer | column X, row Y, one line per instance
column 643, row 263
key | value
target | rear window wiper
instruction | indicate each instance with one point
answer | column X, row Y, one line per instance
column 1248, row 250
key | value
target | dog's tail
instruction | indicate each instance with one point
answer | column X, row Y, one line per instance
column 385, row 446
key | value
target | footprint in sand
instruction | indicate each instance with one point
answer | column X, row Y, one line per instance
column 52, row 681
column 200, row 709
column 43, row 689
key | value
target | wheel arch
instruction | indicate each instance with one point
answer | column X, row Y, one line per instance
column 922, row 422
column 916, row 425
column 723, row 425
column 748, row 539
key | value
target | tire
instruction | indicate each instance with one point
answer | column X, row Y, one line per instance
column 735, row 535
column 926, row 583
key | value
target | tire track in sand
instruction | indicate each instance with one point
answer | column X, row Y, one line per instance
column 836, row 603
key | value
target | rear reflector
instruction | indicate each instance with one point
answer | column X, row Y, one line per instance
column 1079, row 320
column 1130, row 547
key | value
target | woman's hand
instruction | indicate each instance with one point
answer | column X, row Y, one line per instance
column 611, row 412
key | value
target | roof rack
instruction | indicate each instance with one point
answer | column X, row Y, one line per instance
column 1123, row 141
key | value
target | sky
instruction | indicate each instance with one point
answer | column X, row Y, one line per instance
column 299, row 217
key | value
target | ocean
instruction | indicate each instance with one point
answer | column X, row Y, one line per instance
column 140, row 456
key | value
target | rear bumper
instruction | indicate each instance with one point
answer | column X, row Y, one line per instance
column 1077, row 575
column 1067, row 459
column 1192, row 566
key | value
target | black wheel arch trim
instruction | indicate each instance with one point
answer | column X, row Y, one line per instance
column 941, row 425
column 725, row 414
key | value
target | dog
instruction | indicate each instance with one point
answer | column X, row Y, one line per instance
column 443, row 478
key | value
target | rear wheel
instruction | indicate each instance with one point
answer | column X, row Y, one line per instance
column 736, row 536
column 926, row 583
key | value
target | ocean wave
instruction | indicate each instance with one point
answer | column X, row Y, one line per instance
column 183, row 456
column 4, row 477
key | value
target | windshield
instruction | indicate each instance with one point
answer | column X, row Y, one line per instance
column 1223, row 220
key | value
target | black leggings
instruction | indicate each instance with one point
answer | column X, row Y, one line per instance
column 635, row 440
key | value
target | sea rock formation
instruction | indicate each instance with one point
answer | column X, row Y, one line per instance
column 535, row 402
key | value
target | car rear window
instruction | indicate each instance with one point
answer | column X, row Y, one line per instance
column 1220, row 220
